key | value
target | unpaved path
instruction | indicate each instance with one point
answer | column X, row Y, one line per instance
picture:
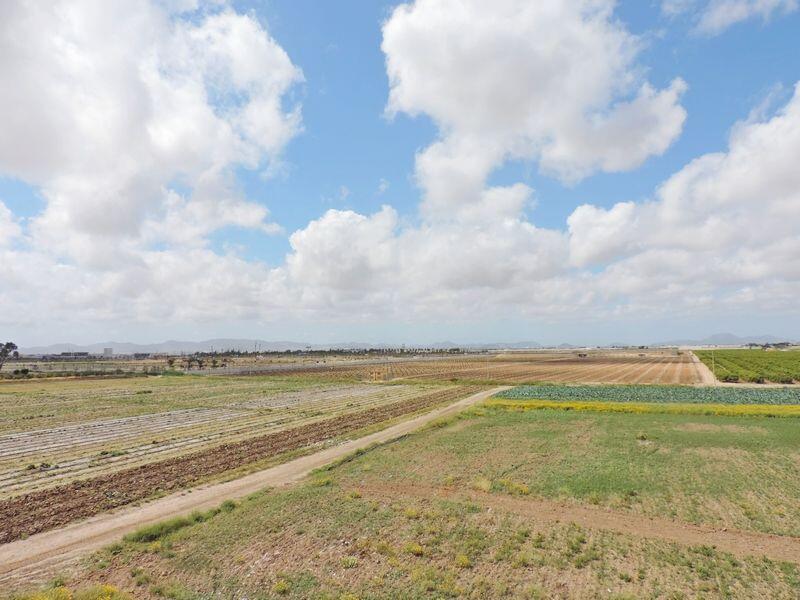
column 706, row 376
column 739, row 543
column 36, row 557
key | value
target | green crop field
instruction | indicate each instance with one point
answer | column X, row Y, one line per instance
column 655, row 394
column 756, row 366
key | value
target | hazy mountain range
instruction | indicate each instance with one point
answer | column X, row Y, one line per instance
column 222, row 344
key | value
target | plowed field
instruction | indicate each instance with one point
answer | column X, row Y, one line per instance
column 660, row 367
column 55, row 506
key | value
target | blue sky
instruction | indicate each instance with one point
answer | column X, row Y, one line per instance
column 349, row 142
column 328, row 175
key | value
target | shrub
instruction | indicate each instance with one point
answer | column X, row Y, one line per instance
column 414, row 548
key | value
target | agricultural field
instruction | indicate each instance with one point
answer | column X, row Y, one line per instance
column 654, row 393
column 645, row 367
column 124, row 440
column 569, row 505
column 754, row 366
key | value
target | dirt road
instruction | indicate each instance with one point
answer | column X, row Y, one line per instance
column 705, row 374
column 36, row 557
column 739, row 543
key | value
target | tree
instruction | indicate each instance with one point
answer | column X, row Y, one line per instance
column 6, row 350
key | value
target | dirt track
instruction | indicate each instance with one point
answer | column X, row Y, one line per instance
column 705, row 374
column 35, row 558
column 739, row 543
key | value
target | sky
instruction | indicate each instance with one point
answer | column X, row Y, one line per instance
column 581, row 171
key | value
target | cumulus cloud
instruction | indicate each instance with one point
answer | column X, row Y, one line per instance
column 134, row 145
column 715, row 16
column 725, row 223
column 131, row 119
column 554, row 82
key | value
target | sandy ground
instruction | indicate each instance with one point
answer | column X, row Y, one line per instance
column 39, row 556
column 739, row 543
column 706, row 376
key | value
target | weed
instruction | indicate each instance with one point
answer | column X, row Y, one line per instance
column 482, row 484
column 463, row 561
column 349, row 562
column 414, row 548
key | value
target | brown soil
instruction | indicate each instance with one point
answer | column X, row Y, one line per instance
column 54, row 507
column 739, row 543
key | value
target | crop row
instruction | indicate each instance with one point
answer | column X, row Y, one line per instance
column 656, row 394
column 52, row 507
column 755, row 366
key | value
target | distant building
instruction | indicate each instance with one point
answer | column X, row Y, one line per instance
column 141, row 355
column 74, row 354
column 108, row 352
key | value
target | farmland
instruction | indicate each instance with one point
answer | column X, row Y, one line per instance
column 91, row 466
column 755, row 366
column 657, row 394
column 652, row 366
column 568, row 505
column 601, row 474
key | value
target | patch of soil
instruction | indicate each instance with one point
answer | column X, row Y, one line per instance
column 713, row 428
column 740, row 543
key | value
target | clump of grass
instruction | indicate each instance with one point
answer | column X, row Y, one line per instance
column 349, row 562
column 411, row 512
column 95, row 592
column 483, row 484
column 463, row 561
column 384, row 549
column 173, row 591
column 513, row 487
column 158, row 531
column 140, row 578
column 281, row 587
column 151, row 533
column 414, row 548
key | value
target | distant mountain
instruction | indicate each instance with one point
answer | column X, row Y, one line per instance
column 177, row 346
column 726, row 339
column 223, row 344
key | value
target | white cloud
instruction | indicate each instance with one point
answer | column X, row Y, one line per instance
column 133, row 119
column 9, row 228
column 551, row 81
column 725, row 223
column 715, row 16
column 721, row 14
column 134, row 145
